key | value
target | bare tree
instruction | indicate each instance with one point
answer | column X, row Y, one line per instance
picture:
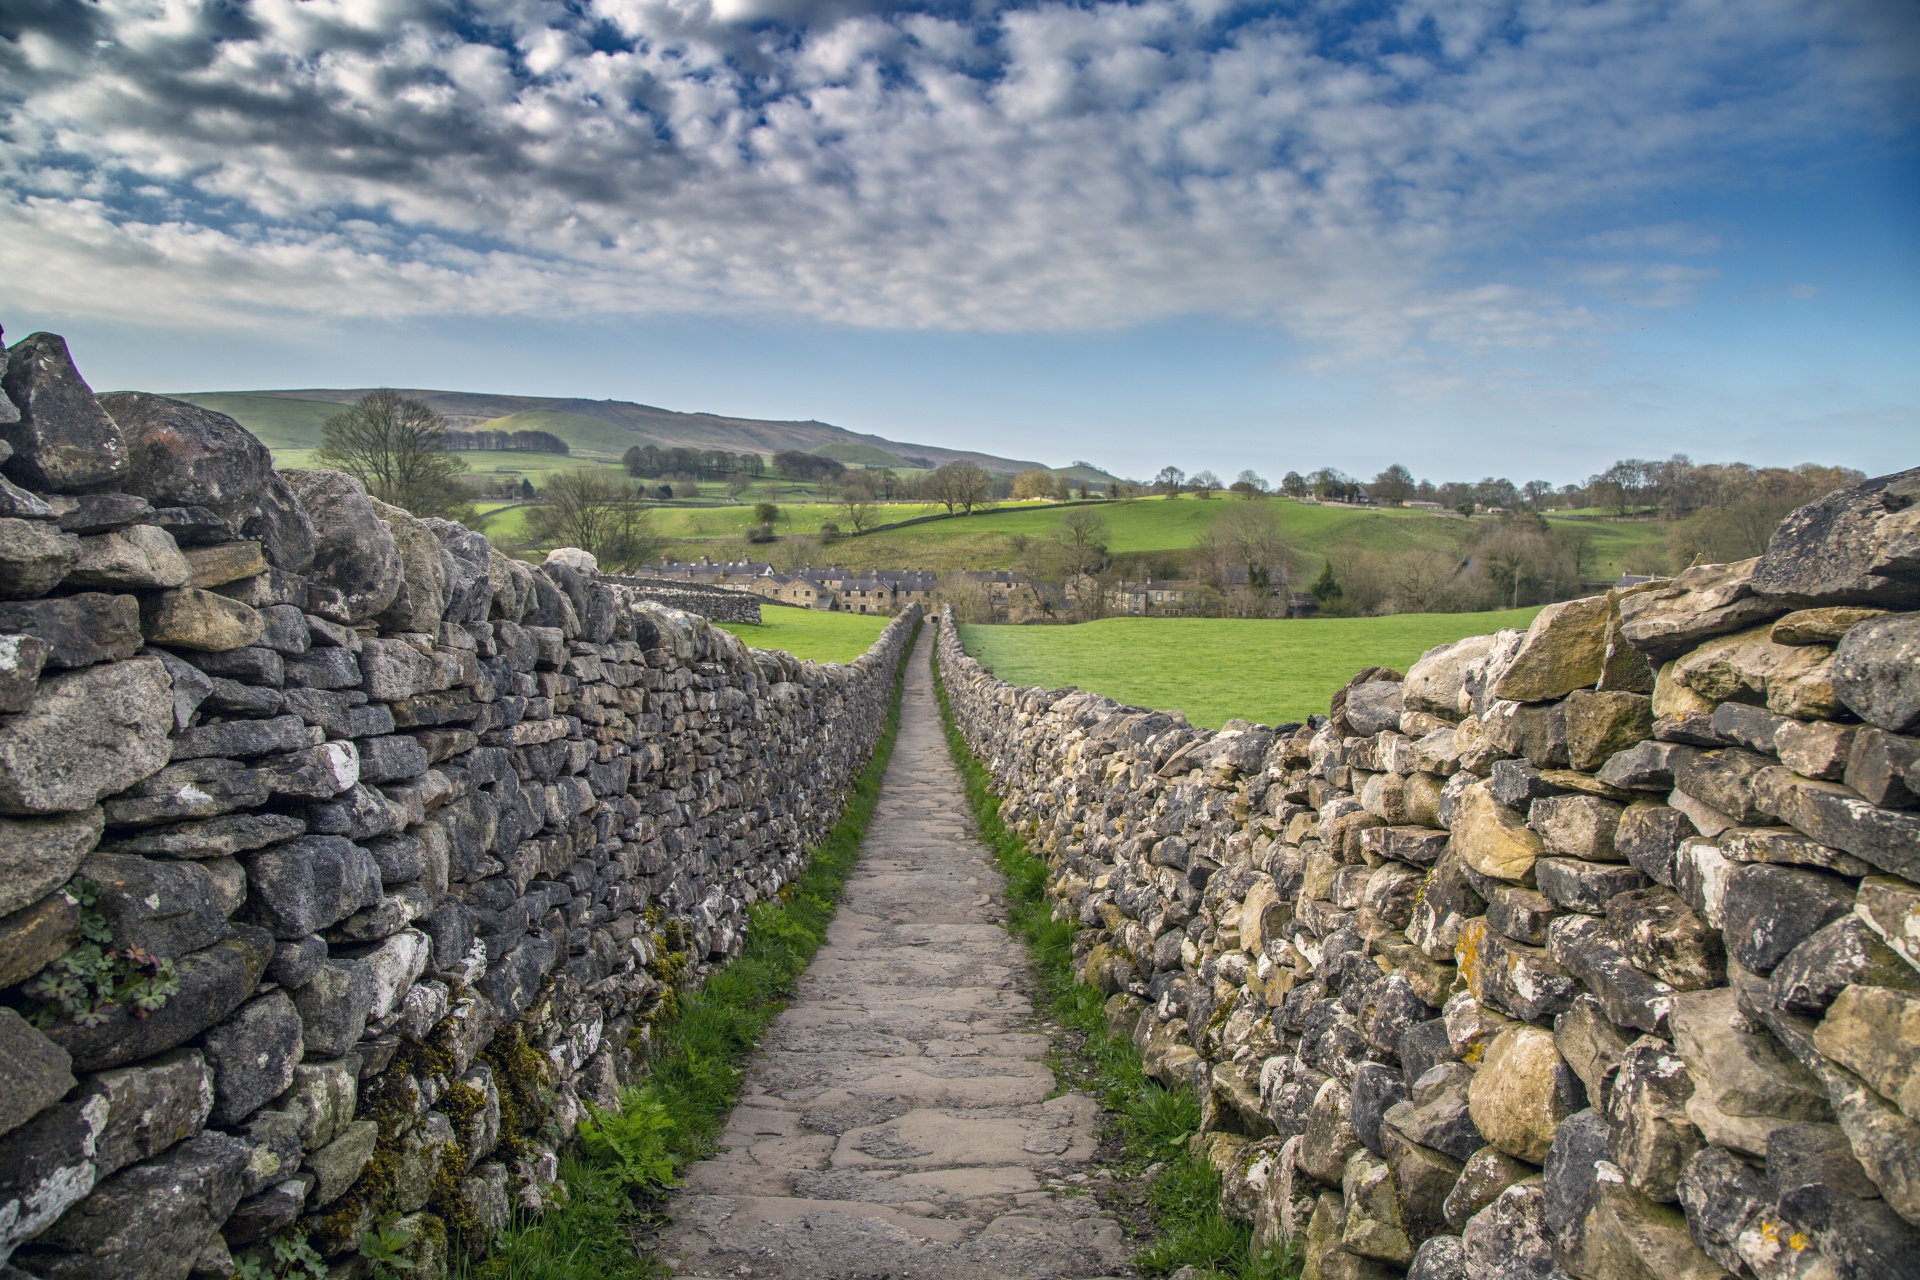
column 958, row 485
column 1082, row 538
column 1249, row 485
column 1034, row 482
column 590, row 510
column 1204, row 484
column 397, row 448
column 1169, row 481
column 857, row 500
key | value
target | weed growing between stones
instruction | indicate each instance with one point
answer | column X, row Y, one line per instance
column 613, row 1185
column 1151, row 1122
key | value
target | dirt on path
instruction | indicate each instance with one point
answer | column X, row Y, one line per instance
column 896, row 1122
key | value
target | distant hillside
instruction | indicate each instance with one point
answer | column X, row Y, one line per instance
column 861, row 455
column 602, row 428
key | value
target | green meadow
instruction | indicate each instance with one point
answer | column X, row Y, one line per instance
column 1216, row 669
column 811, row 633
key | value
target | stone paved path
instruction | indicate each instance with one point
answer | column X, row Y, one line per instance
column 896, row 1123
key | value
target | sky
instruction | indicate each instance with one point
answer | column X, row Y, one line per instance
column 1520, row 238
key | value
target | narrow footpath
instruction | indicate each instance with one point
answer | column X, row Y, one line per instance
column 896, row 1123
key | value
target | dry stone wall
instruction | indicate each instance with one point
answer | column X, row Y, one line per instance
column 342, row 858
column 1591, row 950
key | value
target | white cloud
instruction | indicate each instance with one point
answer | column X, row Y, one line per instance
column 1050, row 166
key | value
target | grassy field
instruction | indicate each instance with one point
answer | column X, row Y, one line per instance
column 1215, row 669
column 1155, row 526
column 810, row 633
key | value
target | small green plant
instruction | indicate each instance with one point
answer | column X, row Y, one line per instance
column 386, row 1248
column 93, row 977
column 631, row 1140
column 291, row 1258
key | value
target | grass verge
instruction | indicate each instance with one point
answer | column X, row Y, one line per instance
column 612, row 1185
column 1151, row 1122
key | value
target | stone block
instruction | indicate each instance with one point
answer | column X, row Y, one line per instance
column 1698, row 603
column 191, row 618
column 1832, row 958
column 1814, row 749
column 224, row 562
column 243, row 738
column 38, row 1071
column 1665, row 938
column 1767, row 910
column 38, row 855
column 300, row 887
column 78, row 630
column 1523, row 981
column 139, row 557
column 1725, row 780
column 1585, row 886
column 1438, row 1113
column 212, row 983
column 165, row 907
column 35, row 936
column 1522, row 1091
column 1842, row 818
column 1846, row 548
column 1577, row 826
column 356, row 570
column 334, row 1005
column 1649, row 836
column 252, row 1055
column 87, row 734
column 220, row 837
column 149, row 1107
column 1876, row 672
column 1564, row 649
column 1591, row 1045
column 1492, row 839
column 1648, row 1131
column 34, row 557
column 1875, row 1033
column 1602, row 725
column 1508, row 1239
column 61, row 440
column 1878, row 765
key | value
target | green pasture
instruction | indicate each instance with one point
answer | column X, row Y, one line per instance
column 1215, row 669
column 1171, row 526
column 811, row 633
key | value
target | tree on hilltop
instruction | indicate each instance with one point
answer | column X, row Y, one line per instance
column 397, row 448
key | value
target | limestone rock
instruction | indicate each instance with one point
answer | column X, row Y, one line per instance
column 1875, row 1032
column 35, row 936
column 356, row 570
column 78, row 630
column 424, row 567
column 1648, row 1131
column 1521, row 1093
column 34, row 557
column 62, row 439
column 1832, row 958
column 1841, row 818
column 38, row 1071
column 282, row 528
column 1493, row 839
column 1767, row 911
column 1508, row 1239
column 149, row 1220
column 1600, row 725
column 1487, row 1173
column 87, row 734
column 191, row 618
column 1855, row 546
column 164, row 907
column 1650, row 835
column 139, row 556
column 1745, row 1085
column 1437, row 682
column 1626, row 1236
column 300, row 887
column 1724, row 780
column 1374, row 706
column 221, row 563
column 1441, row 1258
column 1821, row 626
column 1876, row 672
column 334, row 1005
column 186, row 456
column 338, row 1165
column 1891, row 908
column 252, row 1054
column 1665, row 938
column 1577, row 826
column 1522, row 980
column 37, row 856
column 1704, row 601
column 212, row 981
column 1375, row 1224
column 149, row 1107
column 1564, row 649
column 1815, row 749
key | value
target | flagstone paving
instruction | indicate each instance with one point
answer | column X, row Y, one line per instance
column 897, row 1123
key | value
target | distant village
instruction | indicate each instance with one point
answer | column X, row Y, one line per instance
column 1012, row 596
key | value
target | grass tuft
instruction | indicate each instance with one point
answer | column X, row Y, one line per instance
column 1152, row 1122
column 613, row 1184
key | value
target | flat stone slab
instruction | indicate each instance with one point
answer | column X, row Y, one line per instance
column 898, row 1119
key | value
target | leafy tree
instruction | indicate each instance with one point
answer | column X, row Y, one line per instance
column 1034, row 482
column 1394, row 486
column 765, row 513
column 1169, row 480
column 590, row 510
column 1325, row 588
column 397, row 448
column 792, row 464
column 1293, row 485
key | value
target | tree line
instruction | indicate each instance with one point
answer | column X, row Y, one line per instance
column 651, row 462
column 506, row 441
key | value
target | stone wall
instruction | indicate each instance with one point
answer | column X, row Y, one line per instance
column 1587, row 950
column 341, row 857
column 717, row 604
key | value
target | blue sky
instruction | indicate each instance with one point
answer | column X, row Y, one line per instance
column 1519, row 238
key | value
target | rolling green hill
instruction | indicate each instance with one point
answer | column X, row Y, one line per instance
column 291, row 420
column 584, row 435
column 862, row 455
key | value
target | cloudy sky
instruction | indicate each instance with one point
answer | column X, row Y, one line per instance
column 1515, row 237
